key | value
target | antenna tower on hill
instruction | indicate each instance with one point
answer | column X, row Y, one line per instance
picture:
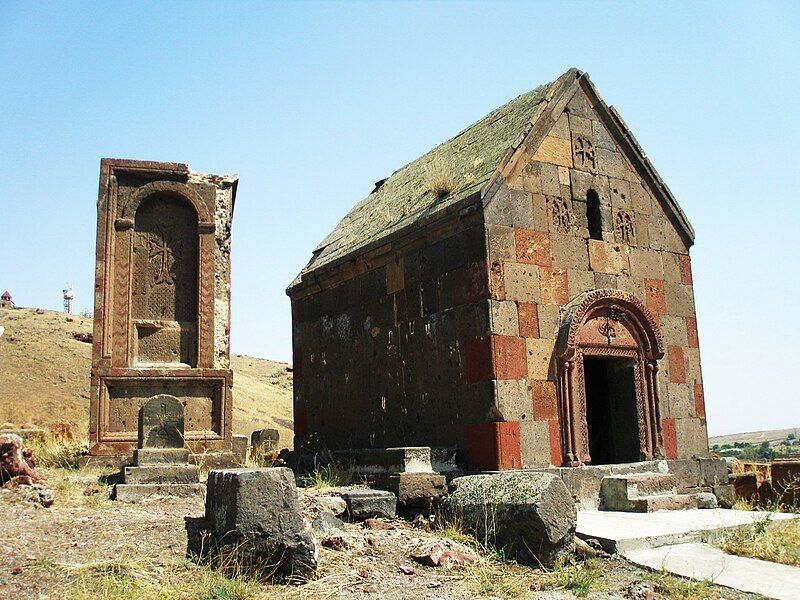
column 68, row 296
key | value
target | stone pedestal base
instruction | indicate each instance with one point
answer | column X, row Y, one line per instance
column 413, row 490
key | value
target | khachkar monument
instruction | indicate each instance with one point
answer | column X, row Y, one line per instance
column 162, row 303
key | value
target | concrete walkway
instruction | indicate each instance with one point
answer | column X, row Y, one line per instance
column 703, row 561
column 675, row 541
column 624, row 531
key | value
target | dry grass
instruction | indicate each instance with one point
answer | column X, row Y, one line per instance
column 439, row 178
column 669, row 586
column 773, row 541
column 45, row 372
column 63, row 454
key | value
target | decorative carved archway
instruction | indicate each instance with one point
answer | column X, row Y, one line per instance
column 608, row 323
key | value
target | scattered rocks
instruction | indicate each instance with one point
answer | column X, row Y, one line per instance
column 378, row 524
column 531, row 515
column 255, row 513
column 439, row 556
column 706, row 500
column 365, row 503
column 16, row 460
column 332, row 504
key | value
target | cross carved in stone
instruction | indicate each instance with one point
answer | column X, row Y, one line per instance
column 164, row 251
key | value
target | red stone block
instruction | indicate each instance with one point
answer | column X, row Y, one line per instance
column 509, row 357
column 670, row 438
column 553, row 286
column 478, row 360
column 699, row 401
column 556, row 456
column 533, row 247
column 495, row 357
column 691, row 332
column 654, row 296
column 528, row 320
column 494, row 446
column 545, row 406
column 686, row 269
column 677, row 365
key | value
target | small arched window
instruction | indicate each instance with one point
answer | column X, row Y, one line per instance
column 593, row 215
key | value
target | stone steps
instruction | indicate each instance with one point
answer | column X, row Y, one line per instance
column 162, row 474
column 136, row 492
column 643, row 492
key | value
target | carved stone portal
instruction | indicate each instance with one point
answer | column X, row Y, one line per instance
column 162, row 303
column 609, row 324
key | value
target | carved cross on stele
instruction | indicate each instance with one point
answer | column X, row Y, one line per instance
column 584, row 149
column 161, row 249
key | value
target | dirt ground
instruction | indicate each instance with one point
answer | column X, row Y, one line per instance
column 87, row 546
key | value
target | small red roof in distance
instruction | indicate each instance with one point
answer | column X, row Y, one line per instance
column 6, row 295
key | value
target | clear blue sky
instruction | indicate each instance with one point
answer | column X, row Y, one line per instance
column 313, row 102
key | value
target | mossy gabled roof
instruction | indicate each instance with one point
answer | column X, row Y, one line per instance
column 465, row 163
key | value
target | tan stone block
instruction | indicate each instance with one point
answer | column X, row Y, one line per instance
column 579, row 105
column 679, row 299
column 549, row 319
column 681, row 400
column 641, row 198
column 500, row 240
column 580, row 125
column 674, row 330
column 561, row 128
column 534, row 443
column 553, row 286
column 602, row 139
column 582, row 182
column 579, row 281
column 672, row 267
column 610, row 163
column 693, row 367
column 646, row 263
column 521, row 282
column 563, row 176
column 569, row 251
column 620, row 193
column 642, row 222
column 555, row 151
column 692, row 437
column 631, row 285
column 551, row 186
column 606, row 257
column 512, row 399
column 540, row 358
column 530, row 179
column 503, row 317
column 541, row 217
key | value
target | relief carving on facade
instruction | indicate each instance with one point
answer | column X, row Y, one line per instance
column 560, row 214
column 583, row 153
column 623, row 227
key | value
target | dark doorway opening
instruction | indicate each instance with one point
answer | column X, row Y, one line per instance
column 611, row 411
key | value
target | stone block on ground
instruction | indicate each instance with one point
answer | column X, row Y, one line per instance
column 725, row 495
column 162, row 474
column 530, row 515
column 745, row 486
column 367, row 504
column 706, row 500
column 138, row 492
column 256, row 513
column 239, row 447
column 160, row 456
column 713, row 471
column 417, row 490
column 264, row 440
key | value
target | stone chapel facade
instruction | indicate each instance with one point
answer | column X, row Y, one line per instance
column 523, row 292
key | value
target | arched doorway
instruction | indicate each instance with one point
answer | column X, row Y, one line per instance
column 610, row 344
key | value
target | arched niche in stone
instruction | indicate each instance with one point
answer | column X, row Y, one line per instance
column 612, row 330
column 164, row 299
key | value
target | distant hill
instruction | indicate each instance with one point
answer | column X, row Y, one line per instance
column 754, row 437
column 44, row 376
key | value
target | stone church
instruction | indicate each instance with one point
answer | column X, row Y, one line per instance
column 522, row 292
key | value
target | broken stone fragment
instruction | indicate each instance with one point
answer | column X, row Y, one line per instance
column 256, row 515
column 365, row 504
column 16, row 460
column 530, row 515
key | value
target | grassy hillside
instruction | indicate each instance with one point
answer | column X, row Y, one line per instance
column 754, row 437
column 44, row 376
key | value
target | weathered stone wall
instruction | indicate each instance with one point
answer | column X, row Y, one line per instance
column 542, row 258
column 380, row 345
